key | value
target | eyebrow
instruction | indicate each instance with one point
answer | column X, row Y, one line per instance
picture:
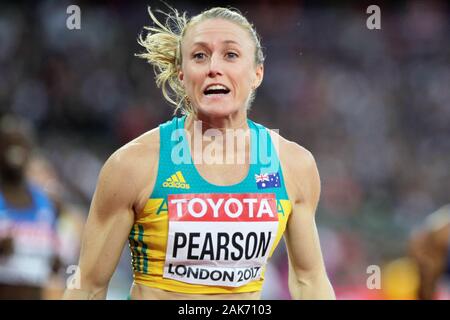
column 202, row 43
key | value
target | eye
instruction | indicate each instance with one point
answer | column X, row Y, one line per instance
column 199, row 56
column 231, row 55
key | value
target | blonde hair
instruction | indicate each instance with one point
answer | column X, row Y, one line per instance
column 163, row 49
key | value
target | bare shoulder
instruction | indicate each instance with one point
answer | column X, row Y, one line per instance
column 132, row 156
column 299, row 169
column 294, row 157
column 133, row 167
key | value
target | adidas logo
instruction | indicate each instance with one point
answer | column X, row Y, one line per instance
column 176, row 181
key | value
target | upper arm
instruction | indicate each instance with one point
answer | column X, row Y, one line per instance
column 109, row 222
column 122, row 189
column 301, row 234
column 428, row 249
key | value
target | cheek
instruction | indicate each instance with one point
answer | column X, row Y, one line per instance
column 245, row 80
column 192, row 78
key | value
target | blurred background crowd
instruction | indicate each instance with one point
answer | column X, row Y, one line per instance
column 371, row 105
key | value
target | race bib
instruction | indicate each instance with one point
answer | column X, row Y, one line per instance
column 219, row 239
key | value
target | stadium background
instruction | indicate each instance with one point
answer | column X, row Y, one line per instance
column 371, row 105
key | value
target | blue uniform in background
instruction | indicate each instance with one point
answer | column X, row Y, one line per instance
column 35, row 242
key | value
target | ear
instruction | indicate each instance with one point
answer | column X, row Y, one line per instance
column 180, row 76
column 259, row 75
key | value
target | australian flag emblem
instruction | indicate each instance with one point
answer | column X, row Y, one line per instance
column 267, row 180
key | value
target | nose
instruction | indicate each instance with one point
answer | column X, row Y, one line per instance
column 215, row 67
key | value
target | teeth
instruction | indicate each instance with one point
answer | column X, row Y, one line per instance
column 216, row 87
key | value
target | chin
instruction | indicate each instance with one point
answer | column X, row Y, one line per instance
column 217, row 110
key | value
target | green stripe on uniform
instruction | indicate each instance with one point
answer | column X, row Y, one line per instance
column 135, row 245
column 280, row 207
column 144, row 248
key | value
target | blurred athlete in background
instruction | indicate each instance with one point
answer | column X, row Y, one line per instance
column 430, row 249
column 28, row 237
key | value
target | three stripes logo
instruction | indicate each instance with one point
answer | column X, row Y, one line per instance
column 176, row 181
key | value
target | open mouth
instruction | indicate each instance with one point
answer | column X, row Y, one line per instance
column 216, row 89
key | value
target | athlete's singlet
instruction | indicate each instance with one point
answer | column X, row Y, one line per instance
column 197, row 237
column 34, row 240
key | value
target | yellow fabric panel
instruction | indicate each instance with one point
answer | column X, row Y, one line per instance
column 154, row 220
column 282, row 218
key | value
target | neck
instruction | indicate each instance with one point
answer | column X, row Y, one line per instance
column 227, row 134
column 237, row 120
